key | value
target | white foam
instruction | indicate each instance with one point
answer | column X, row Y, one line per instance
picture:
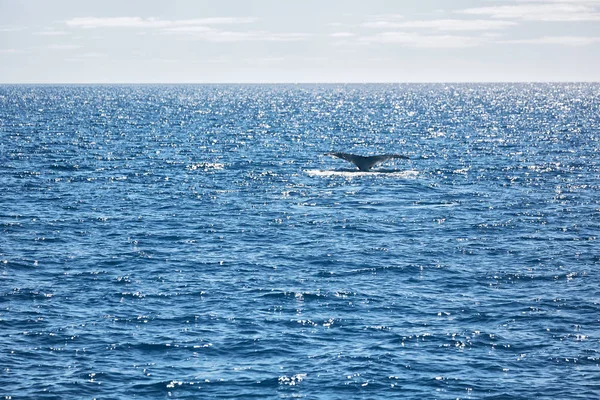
column 355, row 174
column 435, row 205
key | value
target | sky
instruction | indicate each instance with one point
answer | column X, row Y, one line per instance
column 259, row 41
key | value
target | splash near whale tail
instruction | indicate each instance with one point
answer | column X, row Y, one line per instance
column 365, row 163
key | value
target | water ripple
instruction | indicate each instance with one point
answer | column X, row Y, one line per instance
column 193, row 241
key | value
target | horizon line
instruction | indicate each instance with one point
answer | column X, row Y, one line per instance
column 300, row 82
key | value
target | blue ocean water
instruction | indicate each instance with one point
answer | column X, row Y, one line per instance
column 194, row 242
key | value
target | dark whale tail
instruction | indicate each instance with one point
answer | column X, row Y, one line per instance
column 365, row 163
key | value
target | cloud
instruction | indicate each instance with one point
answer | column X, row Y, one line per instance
column 50, row 33
column 559, row 1
column 342, row 34
column 480, row 26
column 264, row 36
column 338, row 25
column 10, row 51
column 149, row 23
column 385, row 17
column 201, row 28
column 560, row 40
column 188, row 29
column 263, row 60
column 222, row 36
column 63, row 46
column 566, row 11
column 443, row 24
column 215, row 35
column 12, row 28
column 412, row 39
column 86, row 56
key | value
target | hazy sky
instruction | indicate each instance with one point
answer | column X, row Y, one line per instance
column 155, row 41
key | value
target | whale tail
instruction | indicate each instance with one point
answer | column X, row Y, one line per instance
column 365, row 163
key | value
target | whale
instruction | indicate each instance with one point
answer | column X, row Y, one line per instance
column 365, row 163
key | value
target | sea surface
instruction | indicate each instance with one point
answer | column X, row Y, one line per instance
column 193, row 241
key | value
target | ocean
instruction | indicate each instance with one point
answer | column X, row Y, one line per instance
column 193, row 241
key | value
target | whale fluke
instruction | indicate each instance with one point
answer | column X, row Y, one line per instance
column 365, row 163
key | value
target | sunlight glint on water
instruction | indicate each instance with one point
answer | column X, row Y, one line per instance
column 194, row 241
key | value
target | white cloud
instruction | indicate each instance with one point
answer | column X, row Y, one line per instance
column 214, row 35
column 382, row 21
column 263, row 60
column 218, row 60
column 188, row 29
column 559, row 1
column 10, row 51
column 342, row 34
column 227, row 36
column 573, row 11
column 11, row 28
column 560, row 40
column 338, row 24
column 63, row 46
column 385, row 17
column 443, row 24
column 148, row 23
column 50, row 33
column 201, row 28
column 412, row 39
column 87, row 56
column 92, row 55
column 380, row 24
